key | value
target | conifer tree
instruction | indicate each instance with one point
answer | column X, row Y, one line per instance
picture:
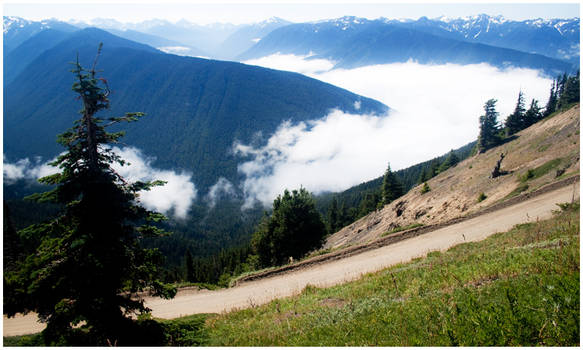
column 423, row 176
column 344, row 217
column 89, row 268
column 515, row 121
column 533, row 114
column 570, row 92
column 392, row 187
column 293, row 229
column 489, row 128
column 551, row 106
column 333, row 216
column 190, row 277
column 450, row 161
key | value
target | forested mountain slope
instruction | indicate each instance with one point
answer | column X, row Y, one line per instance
column 195, row 108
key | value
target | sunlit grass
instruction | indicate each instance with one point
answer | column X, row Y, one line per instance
column 514, row 288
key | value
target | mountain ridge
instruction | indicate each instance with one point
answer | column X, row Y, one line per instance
column 208, row 104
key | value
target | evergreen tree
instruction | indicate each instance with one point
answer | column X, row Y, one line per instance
column 433, row 168
column 392, row 188
column 189, row 268
column 333, row 216
column 369, row 203
column 294, row 228
column 423, row 176
column 515, row 121
column 533, row 114
column 344, row 217
column 551, row 106
column 561, row 83
column 489, row 129
column 451, row 161
column 12, row 248
column 89, row 266
column 570, row 92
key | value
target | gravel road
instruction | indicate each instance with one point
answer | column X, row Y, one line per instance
column 257, row 292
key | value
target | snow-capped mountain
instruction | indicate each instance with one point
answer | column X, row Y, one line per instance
column 17, row 30
column 248, row 35
column 557, row 38
column 354, row 42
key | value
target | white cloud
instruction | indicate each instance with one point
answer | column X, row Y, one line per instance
column 299, row 64
column 175, row 196
column 222, row 189
column 434, row 108
column 26, row 169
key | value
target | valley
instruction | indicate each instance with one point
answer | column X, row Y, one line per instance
column 300, row 170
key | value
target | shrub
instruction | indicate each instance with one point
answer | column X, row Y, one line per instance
column 425, row 188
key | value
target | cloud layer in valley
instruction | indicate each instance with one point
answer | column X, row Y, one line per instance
column 299, row 64
column 175, row 197
column 434, row 108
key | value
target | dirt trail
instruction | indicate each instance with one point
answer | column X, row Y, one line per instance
column 257, row 292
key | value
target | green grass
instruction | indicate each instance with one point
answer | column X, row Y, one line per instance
column 519, row 288
column 403, row 228
column 539, row 171
column 518, row 190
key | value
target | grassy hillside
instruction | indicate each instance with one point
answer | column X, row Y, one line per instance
column 515, row 288
column 518, row 288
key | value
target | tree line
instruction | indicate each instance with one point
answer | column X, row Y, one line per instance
column 563, row 93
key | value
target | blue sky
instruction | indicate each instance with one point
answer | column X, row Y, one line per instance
column 299, row 11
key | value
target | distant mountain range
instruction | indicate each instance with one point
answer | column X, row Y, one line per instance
column 248, row 35
column 379, row 41
column 17, row 30
column 556, row 38
column 353, row 42
column 195, row 108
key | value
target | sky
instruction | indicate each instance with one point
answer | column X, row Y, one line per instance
column 239, row 12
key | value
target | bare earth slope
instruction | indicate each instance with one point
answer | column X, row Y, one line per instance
column 555, row 141
column 454, row 193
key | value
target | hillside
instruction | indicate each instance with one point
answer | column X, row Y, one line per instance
column 195, row 108
column 549, row 149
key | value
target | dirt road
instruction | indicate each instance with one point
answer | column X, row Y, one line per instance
column 334, row 272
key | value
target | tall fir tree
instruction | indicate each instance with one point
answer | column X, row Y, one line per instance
column 189, row 267
column 88, row 273
column 392, row 187
column 333, row 216
column 515, row 122
column 533, row 114
column 489, row 128
column 450, row 161
column 570, row 92
column 293, row 229
column 551, row 106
